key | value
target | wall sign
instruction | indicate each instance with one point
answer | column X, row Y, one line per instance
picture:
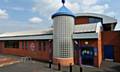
column 32, row 46
column 95, row 51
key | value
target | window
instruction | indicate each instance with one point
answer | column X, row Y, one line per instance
column 11, row 44
column 40, row 45
column 107, row 27
column 23, row 44
column 26, row 44
column 44, row 45
column 94, row 20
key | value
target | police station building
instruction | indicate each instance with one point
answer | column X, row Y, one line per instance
column 83, row 38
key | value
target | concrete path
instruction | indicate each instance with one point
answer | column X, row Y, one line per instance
column 36, row 66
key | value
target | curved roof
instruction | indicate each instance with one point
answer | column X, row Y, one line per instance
column 63, row 11
column 106, row 19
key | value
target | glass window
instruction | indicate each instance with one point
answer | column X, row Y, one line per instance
column 40, row 45
column 11, row 44
column 44, row 45
column 94, row 20
column 26, row 44
column 23, row 44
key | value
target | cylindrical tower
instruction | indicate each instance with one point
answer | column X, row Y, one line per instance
column 63, row 21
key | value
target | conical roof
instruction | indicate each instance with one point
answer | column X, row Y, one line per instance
column 63, row 11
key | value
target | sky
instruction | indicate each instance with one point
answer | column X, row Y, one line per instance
column 23, row 15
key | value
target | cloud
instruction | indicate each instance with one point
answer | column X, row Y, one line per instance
column 47, row 8
column 74, row 7
column 3, row 14
column 96, row 9
column 6, row 1
column 35, row 20
column 89, row 2
column 16, row 25
column 18, row 8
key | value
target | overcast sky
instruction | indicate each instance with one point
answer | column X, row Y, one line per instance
column 21, row 15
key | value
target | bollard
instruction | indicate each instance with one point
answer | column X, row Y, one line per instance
column 81, row 70
column 50, row 64
column 70, row 67
column 59, row 66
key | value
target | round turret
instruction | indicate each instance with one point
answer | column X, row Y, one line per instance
column 63, row 22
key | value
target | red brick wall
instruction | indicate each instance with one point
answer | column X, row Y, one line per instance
column 81, row 20
column 91, row 42
column 94, row 43
column 1, row 46
column 112, row 38
column 37, row 54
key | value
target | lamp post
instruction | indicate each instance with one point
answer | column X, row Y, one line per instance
column 78, row 48
column 50, row 60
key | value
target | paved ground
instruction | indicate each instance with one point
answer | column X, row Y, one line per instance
column 35, row 66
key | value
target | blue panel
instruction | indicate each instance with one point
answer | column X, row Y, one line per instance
column 108, row 52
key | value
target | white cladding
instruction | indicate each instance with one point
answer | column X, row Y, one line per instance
column 62, row 36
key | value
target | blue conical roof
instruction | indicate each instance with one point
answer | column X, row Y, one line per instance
column 63, row 11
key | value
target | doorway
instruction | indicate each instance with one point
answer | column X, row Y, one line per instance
column 87, row 54
column 108, row 52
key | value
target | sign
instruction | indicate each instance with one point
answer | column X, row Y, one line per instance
column 95, row 51
column 32, row 46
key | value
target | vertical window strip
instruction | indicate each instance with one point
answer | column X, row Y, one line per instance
column 26, row 44
column 39, row 45
column 44, row 45
column 23, row 44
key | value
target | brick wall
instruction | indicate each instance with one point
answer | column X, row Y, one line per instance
column 37, row 54
column 112, row 38
column 81, row 20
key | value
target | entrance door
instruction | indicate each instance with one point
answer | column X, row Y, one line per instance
column 108, row 52
column 87, row 54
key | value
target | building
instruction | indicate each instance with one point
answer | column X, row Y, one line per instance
column 84, row 38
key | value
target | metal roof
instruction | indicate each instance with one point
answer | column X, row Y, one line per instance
column 27, row 33
column 85, row 28
column 88, row 28
column 63, row 11
column 91, row 27
column 106, row 19
column 43, row 37
column 85, row 36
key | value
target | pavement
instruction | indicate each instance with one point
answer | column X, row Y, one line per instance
column 37, row 66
